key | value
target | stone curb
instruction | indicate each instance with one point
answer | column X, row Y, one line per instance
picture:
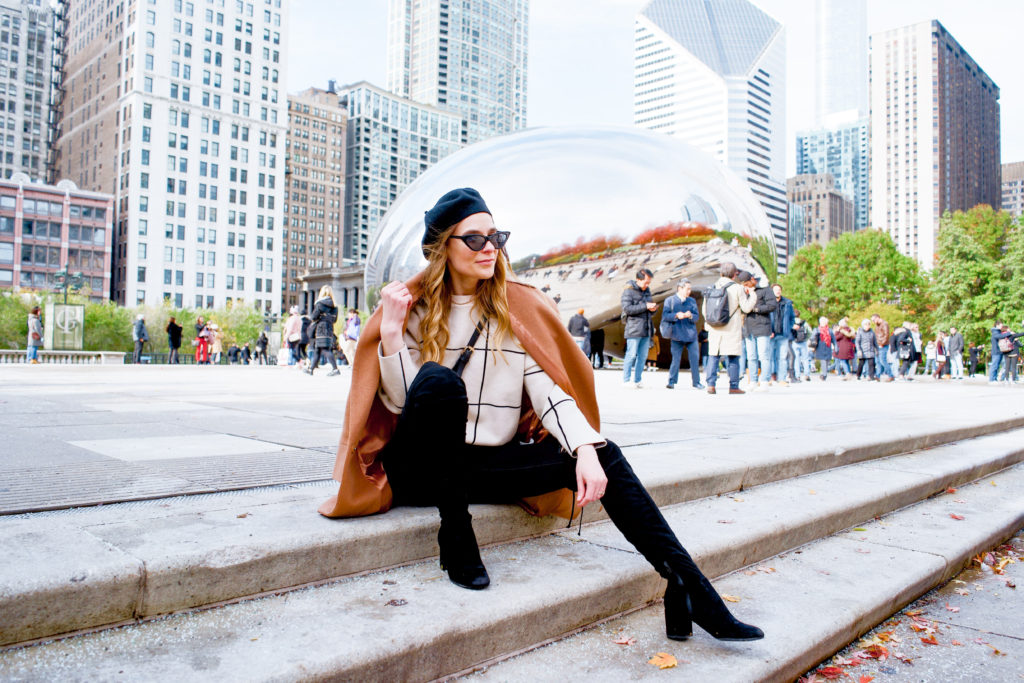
column 860, row 578
column 141, row 568
column 410, row 623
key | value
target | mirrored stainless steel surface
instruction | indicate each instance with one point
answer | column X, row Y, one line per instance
column 586, row 208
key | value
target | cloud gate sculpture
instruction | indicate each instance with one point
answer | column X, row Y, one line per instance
column 587, row 207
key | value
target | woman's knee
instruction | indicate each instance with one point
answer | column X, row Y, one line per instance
column 436, row 383
column 610, row 454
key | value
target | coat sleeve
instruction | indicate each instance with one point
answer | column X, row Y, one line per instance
column 557, row 410
column 747, row 299
column 397, row 372
column 631, row 304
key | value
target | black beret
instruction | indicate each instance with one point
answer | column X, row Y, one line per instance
column 449, row 210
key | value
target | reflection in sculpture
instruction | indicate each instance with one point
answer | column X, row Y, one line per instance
column 586, row 208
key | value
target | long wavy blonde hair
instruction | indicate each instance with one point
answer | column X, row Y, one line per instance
column 491, row 300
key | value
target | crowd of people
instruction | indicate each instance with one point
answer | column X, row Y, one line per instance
column 755, row 332
column 300, row 331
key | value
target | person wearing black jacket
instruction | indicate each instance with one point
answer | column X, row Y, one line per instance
column 325, row 314
column 638, row 314
column 902, row 344
column 579, row 328
column 758, row 332
column 173, row 341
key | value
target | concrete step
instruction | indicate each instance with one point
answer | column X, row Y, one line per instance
column 811, row 602
column 410, row 623
column 115, row 564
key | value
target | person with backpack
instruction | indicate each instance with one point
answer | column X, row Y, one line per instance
column 725, row 306
column 758, row 328
column 679, row 326
column 1010, row 348
column 1002, row 345
column 821, row 342
column 902, row 344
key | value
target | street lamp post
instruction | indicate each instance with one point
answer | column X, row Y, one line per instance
column 63, row 281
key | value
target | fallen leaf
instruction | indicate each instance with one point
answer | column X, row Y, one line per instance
column 730, row 598
column 865, row 679
column 257, row 638
column 918, row 627
column 959, row 581
column 864, row 551
column 750, row 572
column 859, row 528
column 397, row 602
column 243, row 515
column 913, row 612
column 962, row 591
column 951, row 490
column 663, row 660
column 624, row 640
column 737, row 499
column 959, row 500
column 1010, row 584
column 930, row 640
column 812, row 492
column 879, row 652
column 955, row 516
column 831, row 672
column 952, row 609
column 993, row 483
column 957, row 643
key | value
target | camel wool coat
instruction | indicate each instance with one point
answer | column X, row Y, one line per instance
column 727, row 340
column 368, row 425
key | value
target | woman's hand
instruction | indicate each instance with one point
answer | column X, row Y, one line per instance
column 395, row 303
column 590, row 477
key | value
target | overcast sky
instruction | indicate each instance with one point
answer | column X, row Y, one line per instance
column 581, row 54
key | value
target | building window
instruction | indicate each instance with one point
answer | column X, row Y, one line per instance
column 141, row 275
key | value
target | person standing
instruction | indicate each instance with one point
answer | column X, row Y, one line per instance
column 638, row 313
column 902, row 343
column 781, row 322
column 173, row 341
column 846, row 348
column 140, row 336
column 292, row 334
column 352, row 328
column 246, row 354
column 261, row 349
column 915, row 334
column 35, row 337
column 973, row 357
column 758, row 326
column 1010, row 347
column 867, row 350
column 216, row 343
column 725, row 306
column 955, row 350
column 325, row 314
column 597, row 348
column 801, row 348
column 679, row 325
column 202, row 342
column 997, row 352
column 304, row 330
column 882, row 335
column 579, row 329
column 821, row 341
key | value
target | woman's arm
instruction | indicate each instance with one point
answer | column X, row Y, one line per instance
column 557, row 410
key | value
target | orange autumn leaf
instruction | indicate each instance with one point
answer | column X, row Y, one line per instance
column 624, row 640
column 876, row 652
column 914, row 613
column 930, row 640
column 955, row 516
column 730, row 598
column 952, row 609
column 951, row 490
column 956, row 642
column 663, row 660
column 831, row 672
column 865, row 679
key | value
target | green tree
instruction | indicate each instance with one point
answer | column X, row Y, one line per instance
column 1013, row 259
column 972, row 278
column 802, row 284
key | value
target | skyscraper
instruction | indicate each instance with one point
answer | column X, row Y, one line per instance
column 1013, row 188
column 178, row 109
column 842, row 152
column 934, row 134
column 315, row 190
column 26, row 82
column 467, row 57
column 841, row 64
column 827, row 212
column 391, row 141
column 713, row 73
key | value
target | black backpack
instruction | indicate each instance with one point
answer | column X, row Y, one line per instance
column 716, row 302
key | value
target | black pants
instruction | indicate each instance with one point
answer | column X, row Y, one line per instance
column 866, row 362
column 428, row 463
column 137, row 356
column 172, row 359
column 316, row 358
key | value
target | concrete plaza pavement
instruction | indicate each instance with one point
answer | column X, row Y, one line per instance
column 83, row 435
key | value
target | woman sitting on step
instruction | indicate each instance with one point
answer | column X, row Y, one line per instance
column 440, row 418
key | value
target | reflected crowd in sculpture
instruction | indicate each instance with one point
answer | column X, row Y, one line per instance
column 588, row 207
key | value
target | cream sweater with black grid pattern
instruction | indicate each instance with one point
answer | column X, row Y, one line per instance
column 494, row 383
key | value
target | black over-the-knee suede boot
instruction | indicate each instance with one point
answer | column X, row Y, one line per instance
column 433, row 425
column 689, row 594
